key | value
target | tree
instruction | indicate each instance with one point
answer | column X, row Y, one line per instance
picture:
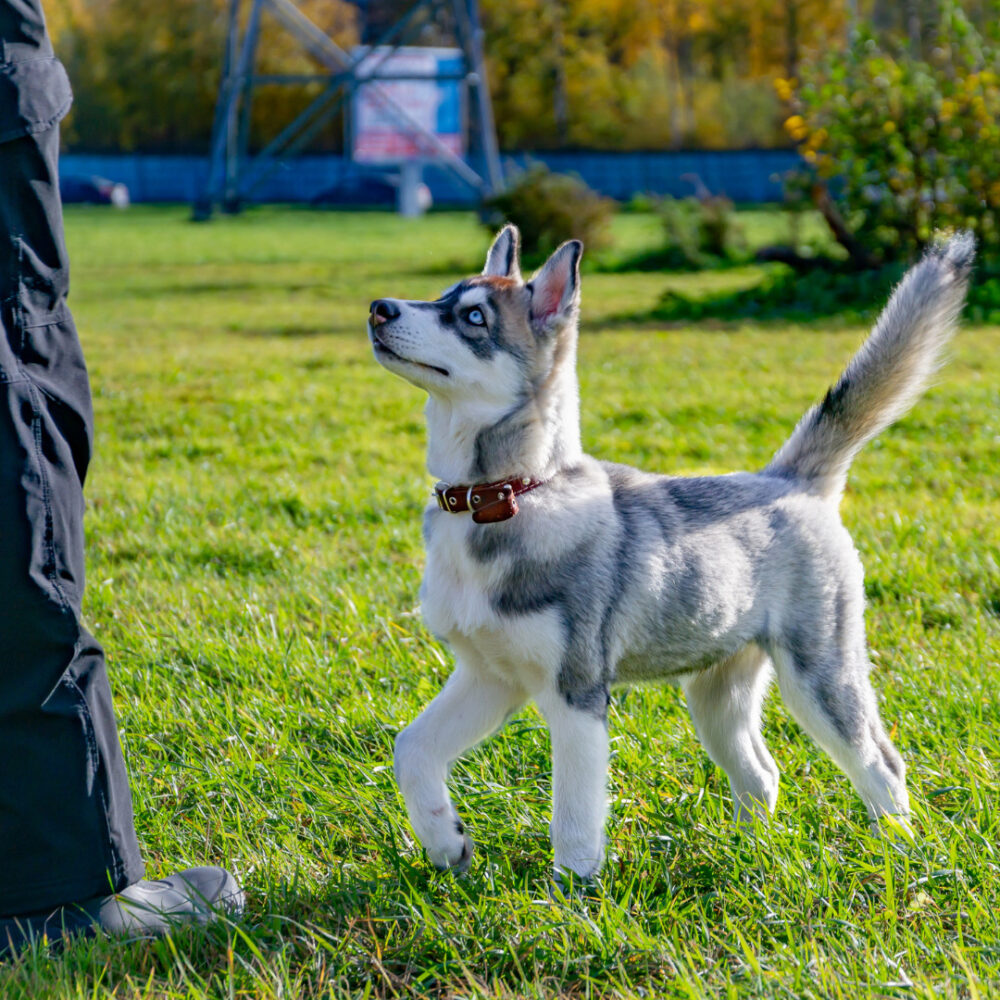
column 903, row 143
column 146, row 75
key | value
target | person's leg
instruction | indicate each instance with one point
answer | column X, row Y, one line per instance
column 65, row 809
column 67, row 841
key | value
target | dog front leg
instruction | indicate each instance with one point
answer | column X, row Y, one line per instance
column 469, row 708
column 579, row 782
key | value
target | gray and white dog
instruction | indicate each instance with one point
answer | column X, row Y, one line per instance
column 554, row 576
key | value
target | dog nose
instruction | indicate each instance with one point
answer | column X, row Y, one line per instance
column 382, row 310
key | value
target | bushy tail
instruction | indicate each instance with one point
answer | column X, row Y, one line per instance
column 885, row 377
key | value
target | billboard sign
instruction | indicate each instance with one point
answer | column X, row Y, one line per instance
column 409, row 95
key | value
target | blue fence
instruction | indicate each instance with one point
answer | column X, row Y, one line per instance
column 742, row 175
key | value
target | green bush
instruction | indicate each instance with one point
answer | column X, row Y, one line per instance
column 551, row 208
column 698, row 232
column 904, row 143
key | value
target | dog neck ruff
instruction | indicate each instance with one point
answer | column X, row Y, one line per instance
column 489, row 502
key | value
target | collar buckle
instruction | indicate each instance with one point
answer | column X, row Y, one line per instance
column 488, row 502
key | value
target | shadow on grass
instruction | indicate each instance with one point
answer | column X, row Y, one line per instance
column 449, row 268
column 293, row 331
column 219, row 286
column 780, row 295
column 783, row 294
column 452, row 267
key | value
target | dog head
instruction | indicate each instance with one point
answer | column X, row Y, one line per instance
column 486, row 335
column 492, row 350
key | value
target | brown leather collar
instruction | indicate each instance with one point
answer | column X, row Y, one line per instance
column 489, row 502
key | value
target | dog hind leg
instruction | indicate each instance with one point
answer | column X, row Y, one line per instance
column 725, row 703
column 470, row 707
column 829, row 694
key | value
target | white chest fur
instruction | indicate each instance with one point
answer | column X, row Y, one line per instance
column 456, row 605
column 456, row 587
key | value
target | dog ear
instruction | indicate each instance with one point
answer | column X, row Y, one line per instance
column 503, row 259
column 555, row 289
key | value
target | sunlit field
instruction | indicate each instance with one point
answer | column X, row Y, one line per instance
column 254, row 560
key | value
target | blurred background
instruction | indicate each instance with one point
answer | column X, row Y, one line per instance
column 564, row 74
column 879, row 117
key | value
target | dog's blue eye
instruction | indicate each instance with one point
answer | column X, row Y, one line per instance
column 475, row 317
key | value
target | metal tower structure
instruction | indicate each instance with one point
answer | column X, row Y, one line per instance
column 234, row 173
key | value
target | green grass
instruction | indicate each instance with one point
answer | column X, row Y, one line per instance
column 254, row 559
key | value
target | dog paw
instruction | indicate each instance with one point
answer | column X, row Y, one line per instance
column 456, row 858
column 459, row 864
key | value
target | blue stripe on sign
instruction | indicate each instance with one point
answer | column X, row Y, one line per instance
column 449, row 113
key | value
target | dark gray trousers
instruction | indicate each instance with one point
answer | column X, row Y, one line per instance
column 66, row 829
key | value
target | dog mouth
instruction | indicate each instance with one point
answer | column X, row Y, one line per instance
column 383, row 349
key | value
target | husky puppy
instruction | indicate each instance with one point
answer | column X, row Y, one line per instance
column 554, row 576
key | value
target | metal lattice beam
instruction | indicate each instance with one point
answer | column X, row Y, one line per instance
column 234, row 174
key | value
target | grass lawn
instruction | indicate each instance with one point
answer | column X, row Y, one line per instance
column 254, row 559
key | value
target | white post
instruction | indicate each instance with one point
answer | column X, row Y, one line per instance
column 408, row 200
